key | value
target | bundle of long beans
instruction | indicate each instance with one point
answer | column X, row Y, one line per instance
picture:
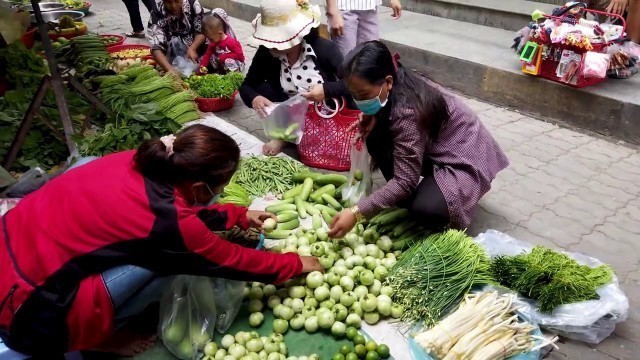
column 435, row 272
column 262, row 175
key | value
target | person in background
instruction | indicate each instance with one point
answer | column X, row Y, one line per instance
column 92, row 248
column 618, row 7
column 133, row 8
column 353, row 22
column 291, row 59
column 224, row 53
column 177, row 21
column 633, row 21
column 437, row 157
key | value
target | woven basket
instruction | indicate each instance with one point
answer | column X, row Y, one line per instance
column 216, row 104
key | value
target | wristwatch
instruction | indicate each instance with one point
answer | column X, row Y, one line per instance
column 355, row 210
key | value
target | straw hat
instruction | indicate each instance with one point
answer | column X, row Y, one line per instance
column 282, row 24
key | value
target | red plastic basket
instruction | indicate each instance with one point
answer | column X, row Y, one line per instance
column 29, row 38
column 116, row 48
column 326, row 143
column 216, row 104
column 548, row 71
column 119, row 42
column 548, row 66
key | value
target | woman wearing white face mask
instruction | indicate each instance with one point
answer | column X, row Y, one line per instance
column 414, row 129
column 96, row 245
column 291, row 59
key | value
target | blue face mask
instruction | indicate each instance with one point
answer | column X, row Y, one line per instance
column 371, row 106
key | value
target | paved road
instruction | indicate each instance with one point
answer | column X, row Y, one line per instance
column 564, row 189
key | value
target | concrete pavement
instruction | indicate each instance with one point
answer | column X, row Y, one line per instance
column 564, row 189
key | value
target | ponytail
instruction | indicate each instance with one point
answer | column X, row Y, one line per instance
column 199, row 153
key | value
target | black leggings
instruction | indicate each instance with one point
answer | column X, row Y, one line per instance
column 133, row 8
column 427, row 205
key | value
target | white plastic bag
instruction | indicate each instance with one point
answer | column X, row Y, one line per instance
column 360, row 180
column 188, row 315
column 595, row 65
column 286, row 120
column 228, row 298
column 590, row 321
column 177, row 55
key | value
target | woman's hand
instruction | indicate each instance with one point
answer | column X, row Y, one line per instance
column 342, row 223
column 316, row 93
column 259, row 104
column 311, row 263
column 617, row 6
column 336, row 23
column 256, row 218
column 364, row 125
column 397, row 9
column 192, row 54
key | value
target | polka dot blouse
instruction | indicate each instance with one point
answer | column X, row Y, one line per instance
column 302, row 75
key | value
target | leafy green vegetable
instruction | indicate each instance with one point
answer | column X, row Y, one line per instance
column 127, row 131
column 550, row 277
column 23, row 67
column 216, row 86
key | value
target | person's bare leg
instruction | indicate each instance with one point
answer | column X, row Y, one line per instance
column 273, row 147
column 128, row 344
column 633, row 21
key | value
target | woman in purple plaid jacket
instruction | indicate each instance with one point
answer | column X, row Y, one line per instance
column 437, row 157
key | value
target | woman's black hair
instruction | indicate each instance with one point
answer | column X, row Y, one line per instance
column 312, row 36
column 200, row 153
column 373, row 62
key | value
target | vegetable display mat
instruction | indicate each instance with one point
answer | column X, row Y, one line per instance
column 298, row 342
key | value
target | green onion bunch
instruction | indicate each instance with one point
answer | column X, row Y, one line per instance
column 433, row 274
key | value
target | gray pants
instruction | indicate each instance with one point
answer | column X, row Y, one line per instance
column 359, row 26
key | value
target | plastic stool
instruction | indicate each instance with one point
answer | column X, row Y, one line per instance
column 8, row 354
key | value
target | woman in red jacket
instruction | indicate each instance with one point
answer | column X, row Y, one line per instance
column 133, row 213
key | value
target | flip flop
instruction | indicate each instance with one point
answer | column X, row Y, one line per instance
column 137, row 35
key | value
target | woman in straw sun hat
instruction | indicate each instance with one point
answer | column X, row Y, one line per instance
column 291, row 59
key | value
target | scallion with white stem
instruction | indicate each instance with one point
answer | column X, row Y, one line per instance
column 482, row 328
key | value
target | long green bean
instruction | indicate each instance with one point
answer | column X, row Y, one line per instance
column 434, row 273
column 262, row 175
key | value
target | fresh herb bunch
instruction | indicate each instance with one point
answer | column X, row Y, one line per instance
column 216, row 86
column 550, row 277
column 23, row 67
column 127, row 131
column 44, row 145
column 435, row 273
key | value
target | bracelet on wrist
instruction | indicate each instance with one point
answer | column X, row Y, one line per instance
column 355, row 210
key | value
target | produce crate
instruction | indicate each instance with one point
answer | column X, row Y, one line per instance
column 119, row 42
column 116, row 48
column 216, row 104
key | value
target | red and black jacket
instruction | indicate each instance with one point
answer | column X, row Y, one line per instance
column 58, row 240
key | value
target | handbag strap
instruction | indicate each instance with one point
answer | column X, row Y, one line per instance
column 338, row 108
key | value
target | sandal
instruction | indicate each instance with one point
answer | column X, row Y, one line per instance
column 136, row 34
